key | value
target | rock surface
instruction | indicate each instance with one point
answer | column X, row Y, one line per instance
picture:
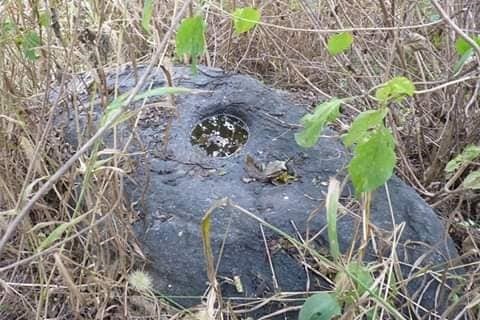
column 175, row 185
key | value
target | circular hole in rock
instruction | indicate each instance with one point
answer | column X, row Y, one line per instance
column 220, row 135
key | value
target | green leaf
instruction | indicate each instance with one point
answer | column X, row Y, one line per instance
column 462, row 46
column 53, row 236
column 44, row 19
column 361, row 277
column 245, row 19
column 353, row 282
column 321, row 306
column 190, row 39
column 124, row 117
column 472, row 181
column 8, row 27
column 333, row 195
column 363, row 124
column 465, row 50
column 30, row 41
column 339, row 43
column 437, row 39
column 116, row 105
column 373, row 162
column 463, row 59
column 294, row 5
column 470, row 153
column 206, row 239
column 313, row 124
column 395, row 89
column 147, row 14
column 57, row 233
column 160, row 91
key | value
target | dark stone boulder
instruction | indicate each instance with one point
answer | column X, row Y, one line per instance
column 175, row 184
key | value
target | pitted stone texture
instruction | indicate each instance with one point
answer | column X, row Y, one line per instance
column 177, row 184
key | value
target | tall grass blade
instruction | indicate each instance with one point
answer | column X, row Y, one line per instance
column 332, row 208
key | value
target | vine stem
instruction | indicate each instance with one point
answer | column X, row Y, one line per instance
column 157, row 57
column 351, row 29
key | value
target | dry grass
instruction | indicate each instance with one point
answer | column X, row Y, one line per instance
column 84, row 273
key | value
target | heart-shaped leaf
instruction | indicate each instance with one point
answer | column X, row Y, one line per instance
column 469, row 154
column 395, row 89
column 245, row 19
column 321, row 306
column 313, row 124
column 373, row 162
column 190, row 39
column 472, row 181
column 339, row 43
column 363, row 123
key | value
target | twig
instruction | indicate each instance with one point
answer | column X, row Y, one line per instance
column 456, row 28
column 54, row 247
column 70, row 162
column 447, row 84
column 304, row 261
column 270, row 262
column 352, row 29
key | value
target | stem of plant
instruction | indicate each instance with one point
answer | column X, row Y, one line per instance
column 366, row 205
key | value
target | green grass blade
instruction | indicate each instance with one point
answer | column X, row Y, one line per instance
column 332, row 208
column 147, row 14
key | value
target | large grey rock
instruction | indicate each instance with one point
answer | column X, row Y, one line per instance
column 174, row 185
